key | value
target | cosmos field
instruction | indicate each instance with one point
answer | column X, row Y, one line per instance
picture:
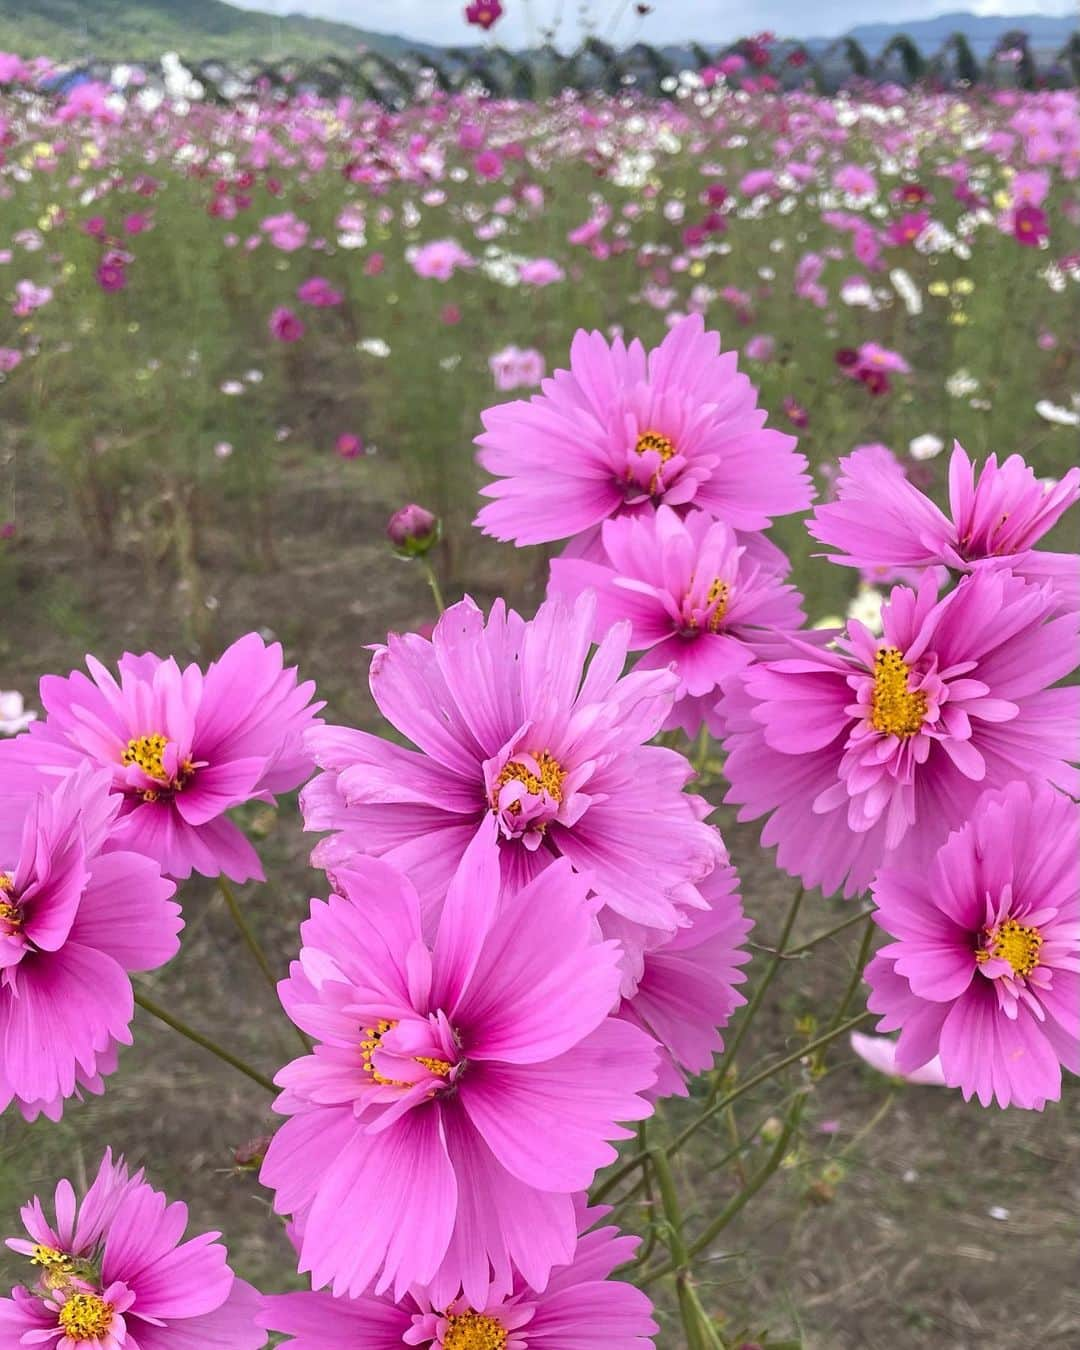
column 624, row 418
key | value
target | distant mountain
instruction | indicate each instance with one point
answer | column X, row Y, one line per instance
column 981, row 30
column 198, row 29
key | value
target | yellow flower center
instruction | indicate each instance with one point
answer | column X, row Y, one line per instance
column 895, row 709
column 1013, row 942
column 86, row 1317
column 372, row 1039
column 719, row 594
column 148, row 753
column 653, row 440
column 474, row 1331
column 549, row 780
column 50, row 1258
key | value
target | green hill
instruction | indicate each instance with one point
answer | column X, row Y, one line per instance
column 197, row 29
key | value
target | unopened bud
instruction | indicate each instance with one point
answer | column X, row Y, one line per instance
column 249, row 1157
column 413, row 531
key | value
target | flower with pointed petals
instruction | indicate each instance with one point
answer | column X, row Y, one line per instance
column 984, row 969
column 683, row 989
column 182, row 747
column 872, row 753
column 74, row 921
column 695, row 600
column 996, row 518
column 463, row 1085
column 111, row 1273
column 510, row 722
column 679, row 425
column 578, row 1307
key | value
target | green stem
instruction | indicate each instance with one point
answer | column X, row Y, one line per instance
column 849, row 922
column 255, row 947
column 155, row 1010
column 433, row 582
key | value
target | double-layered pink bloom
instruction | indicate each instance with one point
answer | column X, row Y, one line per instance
column 465, row 1084
column 872, row 753
column 622, row 428
column 984, row 970
column 694, row 598
column 111, row 1273
column 182, row 748
column 579, row 1309
column 74, row 922
column 996, row 518
column 512, row 720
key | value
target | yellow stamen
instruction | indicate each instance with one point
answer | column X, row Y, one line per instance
column 86, row 1317
column 148, row 753
column 441, row 1068
column 895, row 709
column 550, row 780
column 720, row 593
column 653, row 440
column 474, row 1331
column 1013, row 942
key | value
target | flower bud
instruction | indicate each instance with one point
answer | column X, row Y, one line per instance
column 413, row 531
column 249, row 1157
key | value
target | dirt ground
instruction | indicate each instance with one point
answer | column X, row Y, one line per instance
column 941, row 1226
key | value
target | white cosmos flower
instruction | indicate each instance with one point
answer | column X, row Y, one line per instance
column 926, row 446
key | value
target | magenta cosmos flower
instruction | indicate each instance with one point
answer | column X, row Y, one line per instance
column 621, row 428
column 985, row 967
column 182, row 747
column 695, row 602
column 462, row 1088
column 579, row 1309
column 683, row 989
column 879, row 518
column 509, row 721
column 74, row 921
column 111, row 1273
column 872, row 753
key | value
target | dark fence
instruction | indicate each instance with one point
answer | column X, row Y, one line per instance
column 596, row 66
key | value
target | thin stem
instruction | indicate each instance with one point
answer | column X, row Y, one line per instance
column 155, row 1010
column 255, row 947
column 433, row 582
column 849, row 922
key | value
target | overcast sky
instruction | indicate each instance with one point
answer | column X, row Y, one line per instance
column 441, row 21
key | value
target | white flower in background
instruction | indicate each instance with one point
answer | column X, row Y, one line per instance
column 373, row 347
column 961, row 384
column 13, row 714
column 927, row 446
column 1061, row 417
column 906, row 289
column 223, row 449
column 866, row 608
column 232, row 388
column 857, row 293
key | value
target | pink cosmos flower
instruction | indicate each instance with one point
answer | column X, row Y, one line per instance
column 285, row 325
column 761, row 347
column 513, row 367
column 696, row 603
column 110, row 1273
column 1030, row 226
column 871, row 753
column 444, row 1141
column 807, row 280
column 509, row 722
column 880, row 1053
column 319, row 293
column 74, row 922
column 578, row 1307
column 483, row 13
column 854, row 179
column 679, row 425
column 985, row 967
column 995, row 518
column 439, row 259
column 682, row 989
column 182, row 747
column 286, row 232
column 540, row 272
column 29, row 297
column 10, row 359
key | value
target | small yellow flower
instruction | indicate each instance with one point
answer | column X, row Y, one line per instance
column 938, row 288
column 958, row 318
column 963, row 285
column 697, row 269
